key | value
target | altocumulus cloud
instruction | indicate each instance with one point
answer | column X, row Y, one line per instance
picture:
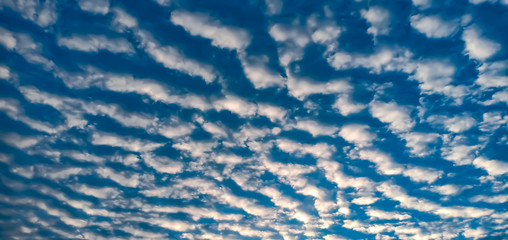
column 175, row 119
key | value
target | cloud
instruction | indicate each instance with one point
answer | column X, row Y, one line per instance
column 420, row 174
column 492, row 74
column 316, row 128
column 320, row 150
column 358, row 134
column 101, row 193
column 303, row 87
column 95, row 6
column 398, row 117
column 168, row 56
column 423, row 4
column 433, row 26
column 236, row 105
column 456, row 124
column 274, row 113
column 95, row 43
column 7, row 39
column 123, row 20
column 202, row 25
column 448, row 189
column 380, row 214
column 379, row 20
column 42, row 13
column 383, row 59
column 273, row 7
column 127, row 143
column 498, row 97
column 384, row 163
column 173, row 58
column 493, row 167
column 126, row 179
column 436, row 76
column 396, row 193
column 418, row 143
column 497, row 199
column 478, row 46
column 163, row 164
column 256, row 70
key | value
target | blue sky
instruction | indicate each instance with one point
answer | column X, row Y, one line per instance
column 174, row 119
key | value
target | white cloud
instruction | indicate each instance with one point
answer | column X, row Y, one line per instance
column 384, row 59
column 475, row 233
column 202, row 25
column 477, row 46
column 347, row 106
column 127, row 143
column 435, row 76
column 498, row 97
column 274, row 113
column 398, row 117
column 176, row 130
column 319, row 150
column 19, row 141
column 126, row 83
column 365, row 200
column 433, row 26
column 7, row 39
column 273, row 7
column 195, row 212
column 333, row 237
column 493, row 167
column 492, row 74
column 456, row 124
column 123, row 20
column 43, row 13
column 492, row 121
column 459, row 124
column 379, row 20
column 101, row 193
column 236, row 105
column 292, row 40
column 418, row 143
column 95, row 6
column 175, row 225
column 173, row 58
column 396, row 193
column 283, row 33
column 26, row 47
column 420, row 174
column 5, row 73
column 423, row 4
column 126, row 179
column 279, row 199
column 358, row 134
column 496, row 199
column 258, row 73
column 14, row 110
column 162, row 164
column 95, row 43
column 384, row 163
column 316, row 128
column 459, row 153
column 301, row 88
column 448, row 189
column 380, row 214
column 168, row 56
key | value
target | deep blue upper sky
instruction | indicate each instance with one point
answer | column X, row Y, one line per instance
column 251, row 119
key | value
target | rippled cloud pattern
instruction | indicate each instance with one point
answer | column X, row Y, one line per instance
column 252, row 119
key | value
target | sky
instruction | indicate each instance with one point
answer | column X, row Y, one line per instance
column 253, row 119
